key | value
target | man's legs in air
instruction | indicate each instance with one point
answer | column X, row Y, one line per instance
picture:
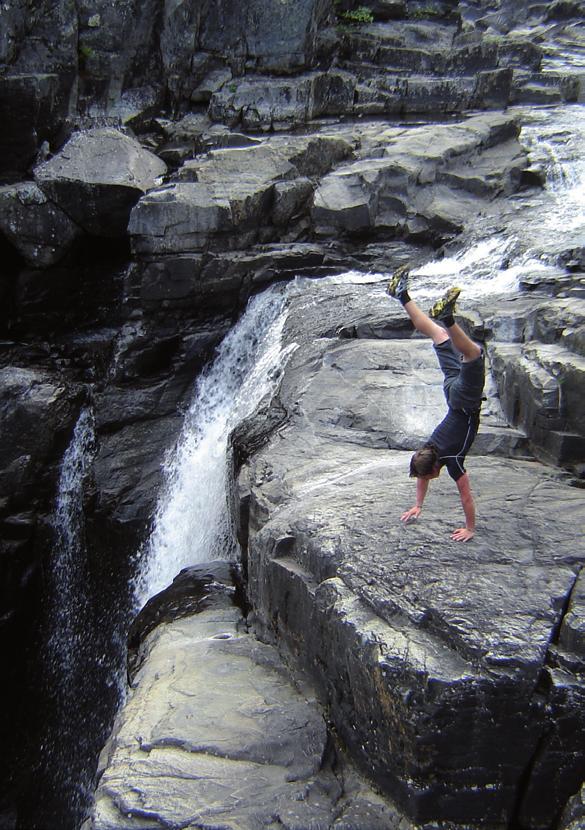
column 398, row 288
column 442, row 310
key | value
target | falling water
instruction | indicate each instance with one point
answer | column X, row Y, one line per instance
column 557, row 139
column 193, row 520
column 81, row 679
column 69, row 716
column 69, row 562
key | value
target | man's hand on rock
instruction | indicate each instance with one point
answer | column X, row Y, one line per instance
column 462, row 534
column 413, row 513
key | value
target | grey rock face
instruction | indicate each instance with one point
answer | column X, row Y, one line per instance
column 440, row 648
column 541, row 383
column 117, row 47
column 224, row 200
column 97, row 178
column 404, row 190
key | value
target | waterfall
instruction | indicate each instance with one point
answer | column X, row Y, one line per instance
column 192, row 520
column 68, row 567
column 68, row 713
column 557, row 139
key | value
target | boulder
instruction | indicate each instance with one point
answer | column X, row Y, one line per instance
column 97, row 177
column 248, row 754
column 39, row 230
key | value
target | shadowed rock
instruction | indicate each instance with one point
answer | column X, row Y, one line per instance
column 37, row 228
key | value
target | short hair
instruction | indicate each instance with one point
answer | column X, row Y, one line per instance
column 424, row 461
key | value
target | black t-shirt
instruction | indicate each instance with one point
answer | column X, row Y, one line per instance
column 453, row 439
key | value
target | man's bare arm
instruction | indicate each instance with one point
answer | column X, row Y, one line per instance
column 422, row 485
column 464, row 534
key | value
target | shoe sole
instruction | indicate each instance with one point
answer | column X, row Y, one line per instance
column 446, row 303
column 400, row 274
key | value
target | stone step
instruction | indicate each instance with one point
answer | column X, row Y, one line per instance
column 390, row 92
column 542, row 390
column 431, row 59
column 536, row 94
column 545, row 87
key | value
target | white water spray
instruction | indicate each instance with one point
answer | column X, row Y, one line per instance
column 193, row 520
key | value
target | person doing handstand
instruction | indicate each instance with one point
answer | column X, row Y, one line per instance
column 462, row 363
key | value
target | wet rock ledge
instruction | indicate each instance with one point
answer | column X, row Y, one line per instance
column 453, row 673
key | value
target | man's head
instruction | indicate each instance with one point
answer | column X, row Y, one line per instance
column 425, row 463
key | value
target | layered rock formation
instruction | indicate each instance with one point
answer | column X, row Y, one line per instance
column 148, row 190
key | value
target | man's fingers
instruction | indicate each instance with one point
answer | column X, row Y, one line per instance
column 410, row 514
column 462, row 535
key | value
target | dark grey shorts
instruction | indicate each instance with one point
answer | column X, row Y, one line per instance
column 464, row 382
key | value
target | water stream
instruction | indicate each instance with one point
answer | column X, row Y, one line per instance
column 193, row 520
column 63, row 768
column 533, row 230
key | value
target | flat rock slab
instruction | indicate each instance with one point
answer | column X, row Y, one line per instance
column 216, row 734
column 439, row 659
column 97, row 177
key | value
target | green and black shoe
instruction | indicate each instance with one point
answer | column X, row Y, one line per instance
column 398, row 285
column 445, row 307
